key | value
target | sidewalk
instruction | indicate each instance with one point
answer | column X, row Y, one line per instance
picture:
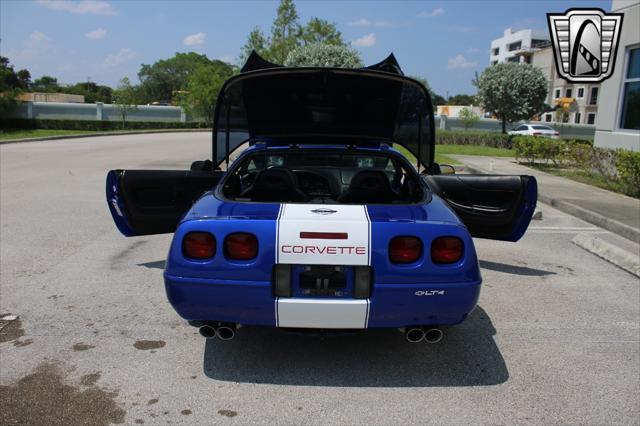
column 617, row 213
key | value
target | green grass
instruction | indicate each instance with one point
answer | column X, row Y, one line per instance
column 443, row 151
column 40, row 133
column 593, row 179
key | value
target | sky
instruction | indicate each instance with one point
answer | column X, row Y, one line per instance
column 446, row 42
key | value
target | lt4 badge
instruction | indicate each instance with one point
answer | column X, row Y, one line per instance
column 585, row 43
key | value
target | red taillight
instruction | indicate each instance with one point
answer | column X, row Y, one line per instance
column 446, row 250
column 241, row 246
column 405, row 249
column 199, row 245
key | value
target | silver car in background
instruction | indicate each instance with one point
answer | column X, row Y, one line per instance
column 540, row 130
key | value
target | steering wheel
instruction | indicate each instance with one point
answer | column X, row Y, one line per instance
column 331, row 182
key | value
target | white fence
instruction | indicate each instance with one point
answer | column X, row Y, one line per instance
column 568, row 131
column 97, row 111
column 110, row 112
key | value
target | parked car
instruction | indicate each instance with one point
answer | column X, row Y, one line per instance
column 320, row 223
column 541, row 130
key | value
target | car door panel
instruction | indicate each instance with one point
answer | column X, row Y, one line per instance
column 493, row 207
column 147, row 202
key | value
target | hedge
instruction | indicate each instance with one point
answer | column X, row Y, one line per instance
column 618, row 165
column 25, row 123
column 492, row 139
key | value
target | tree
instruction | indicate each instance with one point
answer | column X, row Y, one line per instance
column 91, row 91
column 202, row 91
column 24, row 79
column 320, row 31
column 468, row 117
column 287, row 34
column 11, row 85
column 256, row 41
column 462, row 100
column 512, row 91
column 435, row 98
column 323, row 55
column 125, row 97
column 45, row 83
column 165, row 77
column 285, row 31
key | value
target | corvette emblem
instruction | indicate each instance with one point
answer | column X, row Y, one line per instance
column 324, row 211
column 585, row 43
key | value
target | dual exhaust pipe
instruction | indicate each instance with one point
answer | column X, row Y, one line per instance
column 221, row 331
column 430, row 334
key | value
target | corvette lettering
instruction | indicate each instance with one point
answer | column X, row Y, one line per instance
column 323, row 249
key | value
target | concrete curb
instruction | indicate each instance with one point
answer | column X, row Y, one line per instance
column 609, row 252
column 597, row 219
column 95, row 135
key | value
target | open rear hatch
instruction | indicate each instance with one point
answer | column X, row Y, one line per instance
column 277, row 105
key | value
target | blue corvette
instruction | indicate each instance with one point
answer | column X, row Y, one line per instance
column 319, row 223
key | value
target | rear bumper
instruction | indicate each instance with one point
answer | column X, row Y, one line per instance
column 252, row 303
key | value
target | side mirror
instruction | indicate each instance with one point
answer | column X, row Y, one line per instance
column 202, row 166
column 446, row 169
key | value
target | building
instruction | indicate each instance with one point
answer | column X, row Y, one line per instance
column 453, row 111
column 580, row 100
column 505, row 48
column 51, row 97
column 618, row 125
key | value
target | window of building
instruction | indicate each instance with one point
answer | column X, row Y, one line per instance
column 495, row 51
column 577, row 118
column 568, row 92
column 547, row 118
column 494, row 62
column 515, row 46
column 591, row 118
column 630, row 117
column 580, row 92
column 594, row 96
column 513, row 59
column 539, row 43
column 557, row 94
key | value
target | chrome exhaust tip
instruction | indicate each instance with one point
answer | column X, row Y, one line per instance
column 433, row 335
column 207, row 331
column 414, row 334
column 226, row 332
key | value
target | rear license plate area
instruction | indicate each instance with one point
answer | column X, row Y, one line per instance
column 323, row 280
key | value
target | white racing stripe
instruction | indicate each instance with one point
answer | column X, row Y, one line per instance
column 323, row 234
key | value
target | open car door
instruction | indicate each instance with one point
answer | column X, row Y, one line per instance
column 147, row 202
column 496, row 207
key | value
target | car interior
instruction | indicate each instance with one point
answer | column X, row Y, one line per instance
column 322, row 177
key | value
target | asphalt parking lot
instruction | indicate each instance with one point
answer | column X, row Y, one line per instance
column 555, row 338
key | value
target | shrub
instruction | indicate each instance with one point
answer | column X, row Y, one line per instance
column 526, row 148
column 580, row 155
column 628, row 167
column 452, row 137
column 603, row 161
